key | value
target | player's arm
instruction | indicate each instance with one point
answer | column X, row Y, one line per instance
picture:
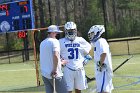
column 102, row 58
column 55, row 62
column 87, row 59
column 101, row 65
column 63, row 62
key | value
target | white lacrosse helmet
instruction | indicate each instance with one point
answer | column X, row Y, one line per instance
column 95, row 32
column 70, row 30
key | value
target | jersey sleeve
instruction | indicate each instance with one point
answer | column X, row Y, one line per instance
column 103, row 46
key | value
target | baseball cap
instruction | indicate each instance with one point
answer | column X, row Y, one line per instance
column 54, row 28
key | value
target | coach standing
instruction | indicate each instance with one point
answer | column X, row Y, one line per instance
column 50, row 62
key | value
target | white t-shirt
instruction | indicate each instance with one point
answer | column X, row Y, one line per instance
column 74, row 51
column 101, row 46
column 47, row 48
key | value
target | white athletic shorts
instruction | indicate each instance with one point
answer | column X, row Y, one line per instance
column 104, row 81
column 75, row 79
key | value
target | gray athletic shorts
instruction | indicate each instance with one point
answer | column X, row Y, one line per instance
column 60, row 85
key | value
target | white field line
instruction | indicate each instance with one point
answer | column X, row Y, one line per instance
column 16, row 70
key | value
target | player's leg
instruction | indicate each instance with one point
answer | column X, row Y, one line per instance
column 77, row 91
column 80, row 80
column 99, row 81
column 108, row 86
column 69, row 77
column 104, row 82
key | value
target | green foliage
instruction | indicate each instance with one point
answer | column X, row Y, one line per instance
column 126, row 4
column 110, row 30
column 9, row 45
column 123, row 19
column 125, row 27
column 134, row 5
column 92, row 18
column 128, row 27
column 136, row 28
column 18, row 44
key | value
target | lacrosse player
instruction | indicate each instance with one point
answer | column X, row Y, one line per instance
column 73, row 50
column 102, row 59
column 50, row 62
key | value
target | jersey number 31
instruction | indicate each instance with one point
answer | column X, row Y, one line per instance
column 73, row 53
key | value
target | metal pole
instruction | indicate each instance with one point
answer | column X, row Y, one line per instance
column 8, row 46
column 36, row 63
column 128, row 48
column 26, row 51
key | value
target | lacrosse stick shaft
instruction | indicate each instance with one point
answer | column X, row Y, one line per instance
column 54, row 89
column 122, row 63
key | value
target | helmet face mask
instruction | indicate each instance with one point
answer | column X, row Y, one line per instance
column 71, row 34
column 70, row 30
column 91, row 36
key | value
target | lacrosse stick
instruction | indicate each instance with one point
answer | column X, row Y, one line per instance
column 54, row 89
column 122, row 63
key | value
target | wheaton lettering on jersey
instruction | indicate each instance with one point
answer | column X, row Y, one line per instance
column 72, row 45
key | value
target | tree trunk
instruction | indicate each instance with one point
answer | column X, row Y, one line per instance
column 41, row 13
column 66, row 10
column 57, row 3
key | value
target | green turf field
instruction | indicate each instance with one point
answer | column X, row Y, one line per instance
column 21, row 77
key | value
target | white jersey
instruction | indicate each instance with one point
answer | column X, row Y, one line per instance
column 101, row 46
column 74, row 51
column 103, row 78
column 47, row 48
